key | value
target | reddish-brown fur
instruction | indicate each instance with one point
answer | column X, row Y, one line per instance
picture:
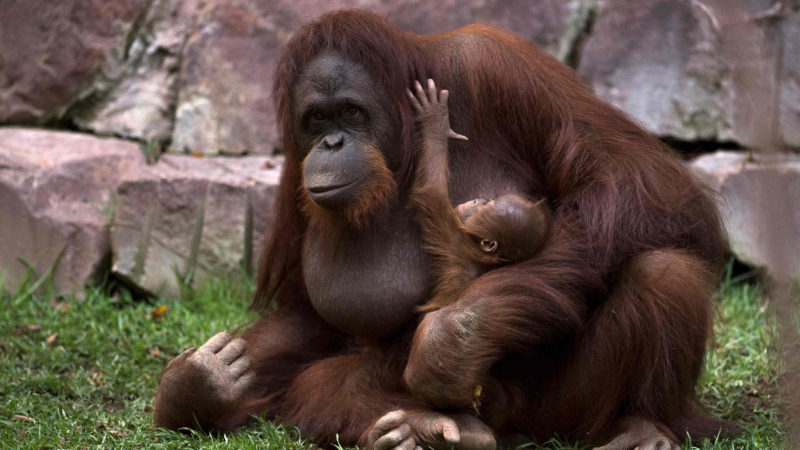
column 377, row 192
column 454, row 244
column 609, row 320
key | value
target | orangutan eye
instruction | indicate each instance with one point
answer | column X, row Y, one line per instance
column 351, row 112
column 318, row 116
column 488, row 246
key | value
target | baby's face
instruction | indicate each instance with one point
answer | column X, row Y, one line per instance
column 468, row 209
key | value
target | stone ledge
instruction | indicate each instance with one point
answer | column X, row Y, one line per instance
column 68, row 198
column 760, row 206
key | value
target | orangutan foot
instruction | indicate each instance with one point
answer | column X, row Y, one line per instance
column 641, row 434
column 401, row 430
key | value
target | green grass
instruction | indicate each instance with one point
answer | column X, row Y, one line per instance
column 93, row 384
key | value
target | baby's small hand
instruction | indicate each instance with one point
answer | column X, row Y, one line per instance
column 432, row 111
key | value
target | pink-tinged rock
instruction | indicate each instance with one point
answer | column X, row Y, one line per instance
column 107, row 66
column 50, row 51
column 759, row 200
column 134, row 94
column 542, row 22
column 198, row 74
column 790, row 81
column 56, row 201
column 189, row 219
column 67, row 199
column 224, row 104
column 691, row 70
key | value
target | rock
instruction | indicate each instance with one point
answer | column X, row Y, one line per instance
column 51, row 52
column 188, row 219
column 56, row 201
column 197, row 75
column 68, row 199
column 225, row 106
column 759, row 203
column 689, row 70
column 542, row 22
column 134, row 94
column 790, row 81
column 110, row 67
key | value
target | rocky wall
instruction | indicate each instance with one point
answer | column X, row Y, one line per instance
column 107, row 81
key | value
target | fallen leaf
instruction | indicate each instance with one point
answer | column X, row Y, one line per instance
column 159, row 313
column 52, row 339
column 154, row 351
column 268, row 165
column 27, row 329
column 103, row 427
column 59, row 305
column 97, row 379
column 198, row 155
column 21, row 418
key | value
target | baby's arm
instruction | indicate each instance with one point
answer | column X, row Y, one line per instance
column 432, row 167
column 455, row 255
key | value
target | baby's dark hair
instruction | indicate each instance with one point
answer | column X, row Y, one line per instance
column 517, row 223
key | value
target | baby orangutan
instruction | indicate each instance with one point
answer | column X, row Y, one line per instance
column 477, row 235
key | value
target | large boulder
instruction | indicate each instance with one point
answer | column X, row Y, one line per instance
column 545, row 22
column 224, row 104
column 67, row 199
column 759, row 199
column 198, row 74
column 108, row 66
column 56, row 197
column 188, row 219
column 790, row 81
column 696, row 70
column 50, row 52
column 133, row 95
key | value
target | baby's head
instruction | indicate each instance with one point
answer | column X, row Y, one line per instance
column 512, row 227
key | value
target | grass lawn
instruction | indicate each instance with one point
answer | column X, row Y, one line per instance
column 83, row 373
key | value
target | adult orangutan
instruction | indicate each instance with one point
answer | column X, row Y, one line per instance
column 599, row 336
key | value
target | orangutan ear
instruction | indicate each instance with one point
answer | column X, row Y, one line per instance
column 488, row 246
